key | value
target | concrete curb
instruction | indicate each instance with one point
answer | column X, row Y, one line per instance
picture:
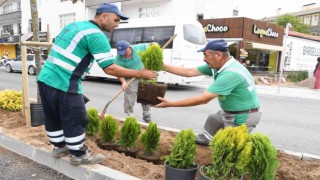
column 62, row 165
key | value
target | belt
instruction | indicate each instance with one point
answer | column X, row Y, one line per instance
column 243, row 112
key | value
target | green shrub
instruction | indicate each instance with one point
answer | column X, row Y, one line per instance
column 183, row 152
column 109, row 128
column 130, row 132
column 150, row 139
column 152, row 58
column 93, row 124
column 297, row 76
column 264, row 161
column 11, row 100
column 231, row 153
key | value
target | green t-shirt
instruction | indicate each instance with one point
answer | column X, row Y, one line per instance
column 235, row 86
column 135, row 62
column 72, row 55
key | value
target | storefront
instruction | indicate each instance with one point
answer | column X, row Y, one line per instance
column 9, row 45
column 249, row 39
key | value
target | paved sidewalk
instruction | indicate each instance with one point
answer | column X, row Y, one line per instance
column 298, row 93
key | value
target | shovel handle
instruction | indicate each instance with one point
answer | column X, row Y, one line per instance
column 169, row 41
column 113, row 98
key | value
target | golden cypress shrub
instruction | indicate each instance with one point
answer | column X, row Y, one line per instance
column 11, row 100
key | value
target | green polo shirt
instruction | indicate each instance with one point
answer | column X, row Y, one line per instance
column 235, row 86
column 134, row 62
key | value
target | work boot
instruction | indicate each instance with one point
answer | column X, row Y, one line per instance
column 59, row 152
column 147, row 118
column 201, row 139
column 87, row 158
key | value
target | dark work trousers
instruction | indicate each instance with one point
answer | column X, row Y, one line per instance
column 65, row 118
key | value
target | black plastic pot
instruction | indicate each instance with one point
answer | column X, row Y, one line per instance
column 172, row 173
column 37, row 115
column 202, row 175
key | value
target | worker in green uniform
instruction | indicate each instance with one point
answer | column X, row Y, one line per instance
column 74, row 51
column 233, row 85
column 128, row 57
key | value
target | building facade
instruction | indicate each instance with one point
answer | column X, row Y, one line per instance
column 309, row 15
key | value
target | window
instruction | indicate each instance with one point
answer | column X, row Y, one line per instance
column 194, row 34
column 315, row 20
column 235, row 12
column 64, row 0
column 200, row 16
column 7, row 8
column 7, row 29
column 307, row 20
column 67, row 19
column 149, row 12
column 143, row 35
column 30, row 29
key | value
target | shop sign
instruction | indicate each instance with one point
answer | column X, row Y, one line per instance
column 264, row 32
column 311, row 51
column 213, row 28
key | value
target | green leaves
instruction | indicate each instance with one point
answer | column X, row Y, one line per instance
column 93, row 124
column 109, row 128
column 264, row 161
column 11, row 100
column 183, row 151
column 130, row 132
column 150, row 139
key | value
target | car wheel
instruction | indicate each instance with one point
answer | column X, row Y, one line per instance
column 8, row 68
column 32, row 70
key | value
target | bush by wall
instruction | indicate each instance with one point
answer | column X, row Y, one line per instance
column 11, row 100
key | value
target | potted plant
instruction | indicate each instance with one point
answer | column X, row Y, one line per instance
column 180, row 163
column 129, row 134
column 150, row 142
column 93, row 124
column 149, row 90
column 231, row 154
column 109, row 129
column 264, row 161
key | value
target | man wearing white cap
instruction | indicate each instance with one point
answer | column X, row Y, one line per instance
column 128, row 57
column 233, row 85
column 75, row 49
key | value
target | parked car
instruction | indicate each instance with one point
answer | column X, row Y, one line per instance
column 16, row 64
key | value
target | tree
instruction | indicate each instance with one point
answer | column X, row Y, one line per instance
column 296, row 23
column 35, row 30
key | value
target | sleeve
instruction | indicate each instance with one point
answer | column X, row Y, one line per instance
column 205, row 70
column 100, row 48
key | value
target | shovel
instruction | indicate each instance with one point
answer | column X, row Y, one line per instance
column 121, row 90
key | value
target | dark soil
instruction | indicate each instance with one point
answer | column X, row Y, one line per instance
column 148, row 92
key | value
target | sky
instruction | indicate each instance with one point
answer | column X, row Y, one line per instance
column 258, row 9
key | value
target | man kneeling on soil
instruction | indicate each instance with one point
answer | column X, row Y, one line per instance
column 233, row 85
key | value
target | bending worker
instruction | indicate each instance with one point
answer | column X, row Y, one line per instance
column 233, row 85
column 128, row 57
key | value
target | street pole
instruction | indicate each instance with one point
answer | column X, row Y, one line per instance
column 288, row 26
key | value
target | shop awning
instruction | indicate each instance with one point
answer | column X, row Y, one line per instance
column 264, row 46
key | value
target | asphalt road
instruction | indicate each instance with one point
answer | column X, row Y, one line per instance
column 16, row 167
column 291, row 123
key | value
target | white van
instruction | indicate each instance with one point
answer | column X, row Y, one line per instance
column 181, row 52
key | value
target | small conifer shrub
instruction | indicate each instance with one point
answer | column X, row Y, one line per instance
column 264, row 161
column 183, row 152
column 109, row 128
column 150, row 139
column 93, row 124
column 129, row 132
column 231, row 153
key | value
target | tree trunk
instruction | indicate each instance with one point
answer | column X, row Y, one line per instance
column 35, row 30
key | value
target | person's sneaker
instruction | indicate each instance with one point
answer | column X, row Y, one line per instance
column 87, row 158
column 59, row 152
column 202, row 140
column 147, row 118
